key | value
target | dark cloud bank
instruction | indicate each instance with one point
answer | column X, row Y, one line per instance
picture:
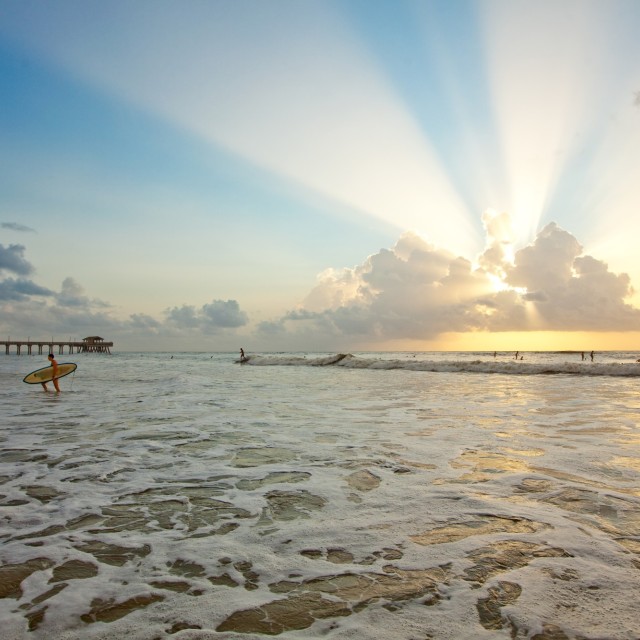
column 412, row 291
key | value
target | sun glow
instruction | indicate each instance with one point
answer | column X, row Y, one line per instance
column 498, row 283
column 510, row 341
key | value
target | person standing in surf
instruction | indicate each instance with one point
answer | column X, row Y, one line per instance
column 54, row 364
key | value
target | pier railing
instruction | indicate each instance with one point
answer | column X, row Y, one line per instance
column 50, row 346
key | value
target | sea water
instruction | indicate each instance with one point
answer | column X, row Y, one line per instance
column 398, row 496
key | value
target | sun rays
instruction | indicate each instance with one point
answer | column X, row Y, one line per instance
column 330, row 120
column 333, row 128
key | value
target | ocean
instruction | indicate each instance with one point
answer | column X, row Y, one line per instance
column 401, row 496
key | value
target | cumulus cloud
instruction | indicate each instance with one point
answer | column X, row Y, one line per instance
column 16, row 226
column 144, row 322
column 414, row 290
column 12, row 289
column 21, row 289
column 417, row 290
column 26, row 307
column 547, row 263
column 12, row 259
column 571, row 291
column 218, row 314
column 72, row 294
column 72, row 313
column 499, row 245
column 224, row 314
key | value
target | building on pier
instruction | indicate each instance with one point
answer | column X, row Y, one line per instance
column 95, row 344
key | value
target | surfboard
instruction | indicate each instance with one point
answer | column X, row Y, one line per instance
column 46, row 373
column 243, row 360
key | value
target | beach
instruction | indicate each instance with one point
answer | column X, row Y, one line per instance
column 404, row 496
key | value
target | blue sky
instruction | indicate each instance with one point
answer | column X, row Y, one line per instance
column 205, row 174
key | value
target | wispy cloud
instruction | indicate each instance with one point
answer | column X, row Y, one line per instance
column 16, row 226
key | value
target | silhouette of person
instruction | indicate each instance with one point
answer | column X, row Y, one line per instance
column 54, row 364
column 242, row 356
column 591, row 355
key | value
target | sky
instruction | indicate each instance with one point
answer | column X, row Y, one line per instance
column 321, row 175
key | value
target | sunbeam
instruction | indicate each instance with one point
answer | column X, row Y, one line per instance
column 540, row 57
column 308, row 104
column 264, row 143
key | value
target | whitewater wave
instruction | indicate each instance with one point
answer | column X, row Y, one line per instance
column 616, row 369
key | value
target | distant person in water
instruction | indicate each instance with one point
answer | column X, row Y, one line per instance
column 242, row 356
column 54, row 364
column 591, row 355
column 517, row 354
column 583, row 355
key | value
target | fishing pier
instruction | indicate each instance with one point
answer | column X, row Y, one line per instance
column 92, row 344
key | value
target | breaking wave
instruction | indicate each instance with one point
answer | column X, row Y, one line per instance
column 504, row 367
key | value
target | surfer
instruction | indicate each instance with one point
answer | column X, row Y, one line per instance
column 54, row 364
column 243, row 358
